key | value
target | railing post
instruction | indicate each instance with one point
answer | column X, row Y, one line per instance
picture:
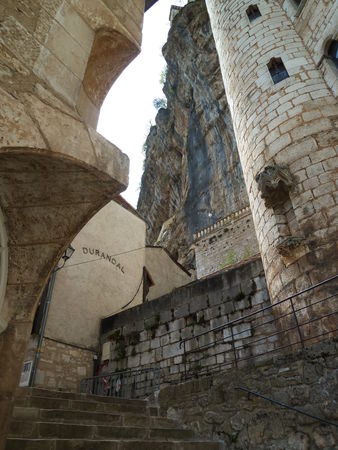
column 297, row 323
column 233, row 345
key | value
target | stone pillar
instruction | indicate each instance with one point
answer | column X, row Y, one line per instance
column 286, row 134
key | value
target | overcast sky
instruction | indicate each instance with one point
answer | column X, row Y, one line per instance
column 128, row 109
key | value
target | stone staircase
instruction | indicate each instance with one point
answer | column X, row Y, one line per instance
column 51, row 420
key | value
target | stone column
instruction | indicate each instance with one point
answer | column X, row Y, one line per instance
column 286, row 135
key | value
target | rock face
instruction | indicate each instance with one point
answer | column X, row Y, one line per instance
column 193, row 175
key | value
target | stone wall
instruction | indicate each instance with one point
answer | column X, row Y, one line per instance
column 57, row 61
column 61, row 366
column 305, row 380
column 151, row 333
column 228, row 242
column 316, row 23
column 288, row 124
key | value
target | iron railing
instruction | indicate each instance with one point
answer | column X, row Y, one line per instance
column 300, row 320
column 126, row 384
column 284, row 405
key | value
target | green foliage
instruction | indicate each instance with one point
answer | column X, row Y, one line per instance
column 196, row 368
column 163, row 76
column 231, row 258
column 247, row 252
column 233, row 437
column 239, row 297
column 134, row 338
column 160, row 103
column 152, row 324
column 116, row 335
column 120, row 349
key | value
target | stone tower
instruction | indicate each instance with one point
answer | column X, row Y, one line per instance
column 285, row 122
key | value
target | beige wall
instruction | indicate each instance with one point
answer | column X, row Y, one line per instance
column 85, row 293
column 166, row 274
column 104, row 274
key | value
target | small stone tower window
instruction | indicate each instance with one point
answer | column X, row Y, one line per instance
column 332, row 52
column 253, row 12
column 277, row 70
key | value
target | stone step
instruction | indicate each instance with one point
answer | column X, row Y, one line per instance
column 83, row 444
column 36, row 430
column 86, row 405
column 46, row 393
column 91, row 417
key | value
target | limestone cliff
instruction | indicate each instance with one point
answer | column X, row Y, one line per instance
column 192, row 173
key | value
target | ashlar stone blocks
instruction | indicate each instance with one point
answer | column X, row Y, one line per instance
column 292, row 123
column 56, row 171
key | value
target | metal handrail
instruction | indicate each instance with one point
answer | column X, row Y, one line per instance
column 284, row 405
column 221, row 327
column 138, row 383
column 240, row 344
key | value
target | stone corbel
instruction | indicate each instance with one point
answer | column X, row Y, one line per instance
column 274, row 184
column 288, row 245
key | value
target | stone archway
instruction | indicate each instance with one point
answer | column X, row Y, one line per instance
column 56, row 171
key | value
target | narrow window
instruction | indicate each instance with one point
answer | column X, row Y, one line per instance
column 253, row 12
column 332, row 52
column 277, row 70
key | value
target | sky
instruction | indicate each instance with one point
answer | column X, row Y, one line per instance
column 128, row 110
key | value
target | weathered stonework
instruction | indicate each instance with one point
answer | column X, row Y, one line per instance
column 56, row 172
column 230, row 241
column 61, row 366
column 192, row 176
column 306, row 380
column 291, row 123
column 150, row 334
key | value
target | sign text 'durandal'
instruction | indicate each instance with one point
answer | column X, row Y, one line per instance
column 103, row 255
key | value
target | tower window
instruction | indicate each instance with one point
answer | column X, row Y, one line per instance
column 332, row 52
column 253, row 12
column 277, row 70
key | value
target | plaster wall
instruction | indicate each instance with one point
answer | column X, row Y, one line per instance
column 166, row 273
column 103, row 275
column 291, row 123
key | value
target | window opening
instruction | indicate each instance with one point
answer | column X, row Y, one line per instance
column 332, row 52
column 253, row 12
column 277, row 70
